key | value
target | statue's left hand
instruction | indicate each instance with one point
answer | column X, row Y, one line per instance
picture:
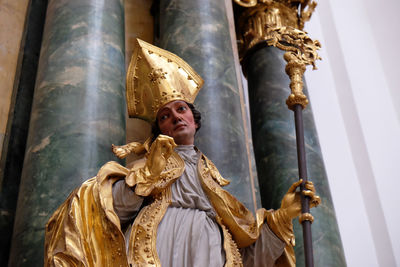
column 291, row 202
column 160, row 151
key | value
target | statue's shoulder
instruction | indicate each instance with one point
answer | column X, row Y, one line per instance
column 206, row 166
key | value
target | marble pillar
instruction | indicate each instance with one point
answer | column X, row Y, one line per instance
column 198, row 31
column 18, row 119
column 275, row 150
column 78, row 111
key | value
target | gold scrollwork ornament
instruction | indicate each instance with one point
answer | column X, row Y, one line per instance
column 301, row 51
column 306, row 7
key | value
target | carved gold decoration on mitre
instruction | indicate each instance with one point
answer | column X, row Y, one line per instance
column 301, row 51
column 259, row 16
column 156, row 77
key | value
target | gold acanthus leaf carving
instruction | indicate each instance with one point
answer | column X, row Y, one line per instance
column 305, row 14
column 259, row 16
column 306, row 7
column 300, row 47
column 301, row 51
column 280, row 24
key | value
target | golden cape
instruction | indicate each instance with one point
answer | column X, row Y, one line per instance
column 85, row 230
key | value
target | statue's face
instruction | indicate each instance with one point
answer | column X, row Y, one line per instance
column 175, row 119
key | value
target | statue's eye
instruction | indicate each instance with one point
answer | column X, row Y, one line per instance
column 182, row 108
column 163, row 117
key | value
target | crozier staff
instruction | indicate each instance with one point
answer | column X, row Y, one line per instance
column 169, row 208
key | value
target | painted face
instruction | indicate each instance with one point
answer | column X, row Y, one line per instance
column 175, row 119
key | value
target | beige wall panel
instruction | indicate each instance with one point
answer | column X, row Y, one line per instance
column 12, row 22
column 139, row 23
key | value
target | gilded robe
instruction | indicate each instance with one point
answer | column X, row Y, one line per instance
column 86, row 231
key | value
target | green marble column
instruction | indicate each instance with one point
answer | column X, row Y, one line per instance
column 198, row 31
column 78, row 111
column 275, row 150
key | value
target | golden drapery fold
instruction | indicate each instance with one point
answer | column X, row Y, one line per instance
column 85, row 230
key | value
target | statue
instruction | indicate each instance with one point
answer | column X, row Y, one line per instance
column 169, row 208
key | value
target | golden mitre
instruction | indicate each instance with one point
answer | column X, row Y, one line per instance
column 156, row 77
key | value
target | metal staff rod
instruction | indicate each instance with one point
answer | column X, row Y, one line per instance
column 301, row 51
column 297, row 101
column 279, row 23
column 305, row 205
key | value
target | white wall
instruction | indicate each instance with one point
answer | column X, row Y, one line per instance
column 356, row 102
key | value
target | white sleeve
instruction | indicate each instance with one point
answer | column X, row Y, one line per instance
column 126, row 203
column 265, row 251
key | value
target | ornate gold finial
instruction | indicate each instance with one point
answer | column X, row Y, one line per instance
column 280, row 24
column 301, row 51
column 156, row 77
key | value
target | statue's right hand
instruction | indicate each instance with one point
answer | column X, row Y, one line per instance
column 120, row 151
column 160, row 151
